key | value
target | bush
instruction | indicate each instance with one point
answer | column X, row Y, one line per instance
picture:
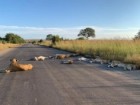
column 55, row 39
column 13, row 38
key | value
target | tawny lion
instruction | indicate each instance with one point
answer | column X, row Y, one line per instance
column 61, row 56
column 15, row 66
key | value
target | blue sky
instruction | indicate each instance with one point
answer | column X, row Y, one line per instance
column 37, row 18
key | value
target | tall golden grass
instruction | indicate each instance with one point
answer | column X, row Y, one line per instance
column 123, row 50
column 7, row 45
column 47, row 43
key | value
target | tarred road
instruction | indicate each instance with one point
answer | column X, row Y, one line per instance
column 52, row 83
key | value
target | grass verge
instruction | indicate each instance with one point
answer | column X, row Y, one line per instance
column 7, row 45
column 127, row 51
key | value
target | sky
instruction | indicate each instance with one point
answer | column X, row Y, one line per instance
column 34, row 19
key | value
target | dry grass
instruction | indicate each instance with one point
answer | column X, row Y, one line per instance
column 47, row 43
column 123, row 50
column 7, row 45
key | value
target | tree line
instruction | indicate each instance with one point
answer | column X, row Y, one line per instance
column 83, row 34
column 12, row 38
column 137, row 36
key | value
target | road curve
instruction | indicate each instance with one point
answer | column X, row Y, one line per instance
column 52, row 83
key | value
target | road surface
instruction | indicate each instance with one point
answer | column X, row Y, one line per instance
column 52, row 83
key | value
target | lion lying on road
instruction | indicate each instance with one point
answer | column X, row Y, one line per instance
column 40, row 58
column 61, row 56
column 15, row 66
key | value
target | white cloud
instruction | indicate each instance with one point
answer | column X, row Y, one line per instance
column 117, row 33
column 40, row 32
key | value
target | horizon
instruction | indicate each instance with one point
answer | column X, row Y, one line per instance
column 34, row 19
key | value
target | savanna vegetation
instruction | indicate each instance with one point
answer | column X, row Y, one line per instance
column 53, row 38
column 10, row 40
column 7, row 45
column 127, row 51
column 123, row 50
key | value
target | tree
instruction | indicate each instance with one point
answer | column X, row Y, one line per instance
column 13, row 38
column 80, row 38
column 55, row 39
column 49, row 37
column 87, row 32
column 40, row 41
column 34, row 42
column 137, row 36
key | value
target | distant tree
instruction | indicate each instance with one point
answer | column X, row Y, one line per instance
column 81, row 38
column 87, row 32
column 137, row 36
column 2, row 40
column 49, row 37
column 55, row 39
column 14, row 38
column 34, row 42
column 61, row 38
column 40, row 41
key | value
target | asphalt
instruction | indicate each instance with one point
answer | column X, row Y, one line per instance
column 53, row 83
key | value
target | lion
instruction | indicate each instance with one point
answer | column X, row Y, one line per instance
column 15, row 66
column 67, row 62
column 61, row 56
column 40, row 58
